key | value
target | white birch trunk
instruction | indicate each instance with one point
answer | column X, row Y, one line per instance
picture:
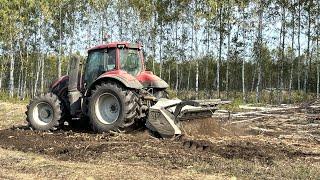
column 25, row 75
column 299, row 46
column 220, row 51
column 258, row 84
column 37, row 77
column 196, row 49
column 189, row 72
column 169, row 72
column 153, row 38
column 197, row 76
column 292, row 53
column 20, row 81
column 227, row 71
column 243, row 81
column 11, row 77
column 60, row 43
column 42, row 75
column 177, row 76
column 176, row 58
column 31, row 84
column 260, row 51
column 101, row 27
column 197, row 61
column 282, row 51
column 283, row 28
column 1, row 75
column 318, row 79
column 1, row 71
column 24, row 86
column 228, row 51
column 21, row 73
column 160, row 51
column 1, row 80
column 192, row 53
column 207, row 59
column 180, row 80
column 254, row 77
column 317, row 53
column 243, row 64
column 305, row 84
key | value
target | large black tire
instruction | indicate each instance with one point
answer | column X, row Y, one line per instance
column 45, row 112
column 112, row 108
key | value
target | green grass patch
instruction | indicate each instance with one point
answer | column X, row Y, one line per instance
column 4, row 96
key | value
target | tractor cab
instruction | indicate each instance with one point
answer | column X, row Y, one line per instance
column 113, row 56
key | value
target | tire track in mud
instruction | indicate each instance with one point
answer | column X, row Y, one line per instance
column 180, row 152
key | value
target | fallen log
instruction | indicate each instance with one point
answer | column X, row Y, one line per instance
column 248, row 120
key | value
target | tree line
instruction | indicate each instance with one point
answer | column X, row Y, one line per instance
column 214, row 46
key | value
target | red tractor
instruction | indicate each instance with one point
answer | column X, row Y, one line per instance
column 114, row 90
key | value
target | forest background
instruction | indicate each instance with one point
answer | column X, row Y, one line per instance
column 251, row 51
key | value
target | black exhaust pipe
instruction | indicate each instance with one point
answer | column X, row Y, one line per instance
column 74, row 94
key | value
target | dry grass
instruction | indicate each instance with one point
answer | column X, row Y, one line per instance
column 12, row 114
column 18, row 165
column 156, row 159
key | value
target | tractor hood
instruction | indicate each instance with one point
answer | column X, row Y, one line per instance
column 148, row 79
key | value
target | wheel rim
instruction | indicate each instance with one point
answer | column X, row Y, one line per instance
column 107, row 108
column 43, row 113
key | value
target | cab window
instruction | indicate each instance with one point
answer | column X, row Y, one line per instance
column 130, row 61
column 99, row 62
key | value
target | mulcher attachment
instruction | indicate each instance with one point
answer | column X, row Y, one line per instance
column 165, row 115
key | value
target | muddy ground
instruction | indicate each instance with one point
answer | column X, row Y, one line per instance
column 266, row 145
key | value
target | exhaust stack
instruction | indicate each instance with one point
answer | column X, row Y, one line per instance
column 73, row 92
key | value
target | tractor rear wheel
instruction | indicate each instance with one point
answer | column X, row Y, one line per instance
column 61, row 90
column 45, row 112
column 112, row 108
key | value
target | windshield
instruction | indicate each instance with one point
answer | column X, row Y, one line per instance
column 130, row 61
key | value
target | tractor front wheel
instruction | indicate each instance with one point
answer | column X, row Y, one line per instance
column 44, row 112
column 112, row 108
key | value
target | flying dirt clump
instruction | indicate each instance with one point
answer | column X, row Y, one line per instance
column 212, row 127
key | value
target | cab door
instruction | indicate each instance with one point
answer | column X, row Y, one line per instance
column 98, row 62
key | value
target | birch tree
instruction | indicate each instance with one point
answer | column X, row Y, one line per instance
column 259, row 43
column 293, row 12
column 318, row 48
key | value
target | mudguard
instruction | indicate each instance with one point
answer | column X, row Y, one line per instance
column 63, row 80
column 120, row 76
column 148, row 79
